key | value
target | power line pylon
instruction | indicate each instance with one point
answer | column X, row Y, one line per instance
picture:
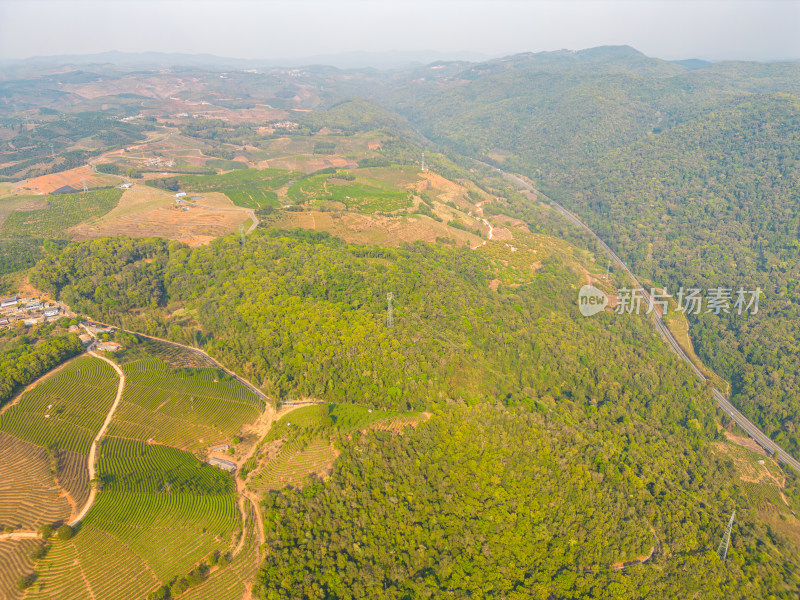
column 83, row 183
column 422, row 166
column 726, row 539
column 389, row 315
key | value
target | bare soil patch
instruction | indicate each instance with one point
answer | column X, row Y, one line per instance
column 376, row 229
column 145, row 212
column 308, row 164
column 502, row 234
column 46, row 184
column 745, row 442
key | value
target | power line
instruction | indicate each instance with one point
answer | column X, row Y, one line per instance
column 726, row 539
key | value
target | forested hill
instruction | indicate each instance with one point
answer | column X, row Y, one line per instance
column 691, row 175
column 303, row 313
column 558, row 446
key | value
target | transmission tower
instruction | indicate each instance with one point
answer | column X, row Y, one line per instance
column 726, row 539
column 83, row 183
column 422, row 166
column 241, row 231
column 389, row 315
column 52, row 152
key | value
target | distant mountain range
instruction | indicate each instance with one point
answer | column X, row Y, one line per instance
column 343, row 60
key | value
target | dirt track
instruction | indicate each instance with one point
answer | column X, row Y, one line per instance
column 98, row 437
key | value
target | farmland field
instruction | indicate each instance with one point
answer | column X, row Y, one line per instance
column 231, row 582
column 185, row 408
column 249, row 188
column 63, row 211
column 65, row 409
column 147, row 212
column 172, row 355
column 16, row 562
column 73, row 476
column 294, row 464
column 330, row 419
column 29, row 495
column 160, row 513
column 359, row 193
column 377, row 229
column 45, row 184
column 20, row 203
column 141, row 468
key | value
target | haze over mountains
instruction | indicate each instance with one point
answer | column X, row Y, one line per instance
column 342, row 60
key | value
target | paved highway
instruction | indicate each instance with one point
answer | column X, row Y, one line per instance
column 752, row 430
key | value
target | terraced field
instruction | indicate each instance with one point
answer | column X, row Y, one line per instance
column 63, row 211
column 73, row 476
column 169, row 533
column 295, row 462
column 184, row 408
column 231, row 582
column 16, row 562
column 137, row 467
column 249, row 188
column 174, row 356
column 358, row 194
column 92, row 565
column 29, row 495
column 160, row 513
column 66, row 409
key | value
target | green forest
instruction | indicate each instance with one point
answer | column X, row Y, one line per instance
column 27, row 355
column 690, row 175
column 534, row 408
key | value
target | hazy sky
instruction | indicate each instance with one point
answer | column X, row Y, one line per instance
column 737, row 29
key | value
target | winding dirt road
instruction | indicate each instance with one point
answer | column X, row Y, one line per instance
column 98, row 437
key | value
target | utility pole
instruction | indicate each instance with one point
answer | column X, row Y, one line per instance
column 726, row 539
column 389, row 315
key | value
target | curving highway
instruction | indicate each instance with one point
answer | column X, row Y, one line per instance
column 752, row 430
